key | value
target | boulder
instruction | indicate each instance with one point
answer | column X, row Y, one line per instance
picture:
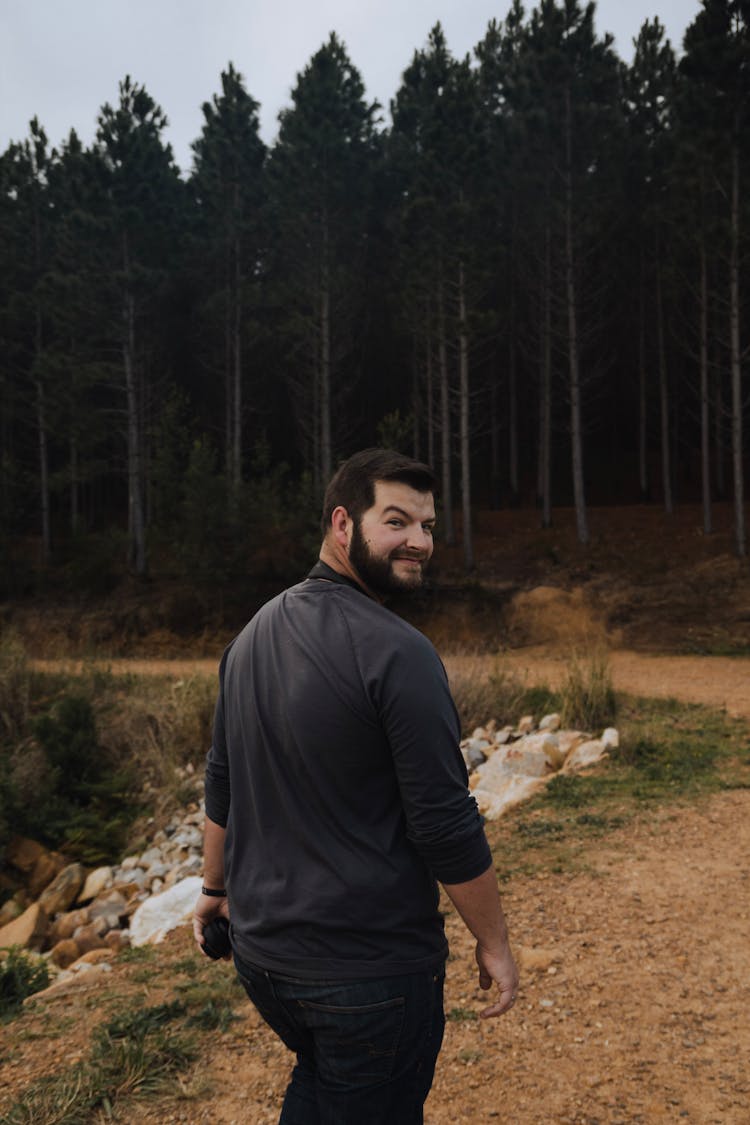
column 96, row 882
column 38, row 864
column 10, row 910
column 587, row 754
column 110, row 905
column 567, row 740
column 69, row 982
column 520, row 759
column 93, row 957
column 610, row 739
column 91, row 936
column 474, row 751
column 550, row 722
column 155, row 917
column 63, row 890
column 29, row 930
column 65, row 925
column 526, row 724
column 514, row 791
column 64, row 953
column 117, row 940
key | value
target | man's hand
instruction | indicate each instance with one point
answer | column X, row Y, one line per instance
column 500, row 968
column 206, row 908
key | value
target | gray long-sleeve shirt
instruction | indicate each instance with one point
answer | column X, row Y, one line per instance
column 336, row 770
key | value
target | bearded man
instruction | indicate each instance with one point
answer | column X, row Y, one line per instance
column 336, row 798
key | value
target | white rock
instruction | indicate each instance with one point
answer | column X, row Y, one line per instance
column 526, row 724
column 550, row 722
column 473, row 754
column 548, row 743
column 516, row 760
column 567, row 740
column 503, row 736
column 587, row 754
column 151, row 855
column 129, row 863
column 610, row 739
column 155, row 917
column 514, row 791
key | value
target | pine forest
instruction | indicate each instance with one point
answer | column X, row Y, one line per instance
column 531, row 270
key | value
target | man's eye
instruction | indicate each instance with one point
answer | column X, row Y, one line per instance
column 427, row 528
column 396, row 523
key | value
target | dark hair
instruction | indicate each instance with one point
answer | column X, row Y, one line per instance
column 353, row 484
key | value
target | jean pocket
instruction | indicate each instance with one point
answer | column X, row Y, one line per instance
column 355, row 1044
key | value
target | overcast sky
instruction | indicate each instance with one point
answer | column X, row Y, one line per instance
column 62, row 59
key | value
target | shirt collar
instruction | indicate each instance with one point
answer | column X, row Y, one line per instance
column 323, row 570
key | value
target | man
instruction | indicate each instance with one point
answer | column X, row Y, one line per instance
column 336, row 796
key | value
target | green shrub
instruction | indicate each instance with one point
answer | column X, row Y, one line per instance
column 21, row 975
column 81, row 801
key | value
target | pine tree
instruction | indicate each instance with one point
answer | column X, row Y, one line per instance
column 229, row 189
column 320, row 175
column 716, row 64
column 141, row 197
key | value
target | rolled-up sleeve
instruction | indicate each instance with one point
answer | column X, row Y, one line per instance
column 218, row 789
column 423, row 730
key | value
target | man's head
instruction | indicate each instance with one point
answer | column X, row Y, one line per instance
column 378, row 515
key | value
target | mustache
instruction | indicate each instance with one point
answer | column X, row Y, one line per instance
column 410, row 556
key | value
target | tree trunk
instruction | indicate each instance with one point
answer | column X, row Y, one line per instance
column 449, row 534
column 666, row 456
column 705, row 393
column 326, row 454
column 463, row 372
column 545, row 390
column 237, row 371
column 136, row 522
column 430, row 405
column 736, row 357
column 74, row 484
column 642, row 407
column 576, row 427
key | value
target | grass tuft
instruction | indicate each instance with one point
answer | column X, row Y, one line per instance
column 588, row 700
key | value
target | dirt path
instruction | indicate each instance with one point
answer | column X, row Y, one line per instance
column 718, row 681
column 636, row 1013
column 634, row 1000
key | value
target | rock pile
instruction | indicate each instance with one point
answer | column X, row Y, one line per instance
column 80, row 918
column 509, row 765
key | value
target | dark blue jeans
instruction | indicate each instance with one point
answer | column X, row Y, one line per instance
column 366, row 1049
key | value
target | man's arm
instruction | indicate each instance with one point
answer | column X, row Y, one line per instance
column 211, row 906
column 478, row 903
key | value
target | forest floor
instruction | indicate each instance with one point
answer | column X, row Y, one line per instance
column 633, row 941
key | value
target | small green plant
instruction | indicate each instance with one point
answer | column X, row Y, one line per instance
column 540, row 829
column 140, row 1022
column 21, row 975
column 213, row 1016
column 121, row 1066
column 462, row 1014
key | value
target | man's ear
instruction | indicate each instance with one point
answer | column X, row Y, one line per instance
column 341, row 526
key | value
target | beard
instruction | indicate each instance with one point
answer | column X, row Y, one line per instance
column 378, row 573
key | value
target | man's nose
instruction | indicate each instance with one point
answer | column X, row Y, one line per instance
column 418, row 539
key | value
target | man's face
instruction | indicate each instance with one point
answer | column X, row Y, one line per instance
column 392, row 542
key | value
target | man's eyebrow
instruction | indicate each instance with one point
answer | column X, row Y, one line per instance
column 406, row 515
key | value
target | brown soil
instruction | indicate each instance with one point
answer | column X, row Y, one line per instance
column 636, row 987
column 634, row 999
column 636, row 1010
